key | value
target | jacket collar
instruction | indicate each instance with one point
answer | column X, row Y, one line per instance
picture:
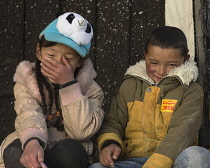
column 186, row 73
column 25, row 75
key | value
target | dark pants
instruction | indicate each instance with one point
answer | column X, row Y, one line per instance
column 67, row 153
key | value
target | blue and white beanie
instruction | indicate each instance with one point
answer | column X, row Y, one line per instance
column 70, row 29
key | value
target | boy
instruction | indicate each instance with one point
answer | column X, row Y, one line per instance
column 158, row 110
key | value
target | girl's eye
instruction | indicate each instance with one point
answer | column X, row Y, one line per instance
column 69, row 59
column 50, row 55
column 173, row 65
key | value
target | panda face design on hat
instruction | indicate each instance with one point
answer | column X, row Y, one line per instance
column 74, row 26
column 70, row 29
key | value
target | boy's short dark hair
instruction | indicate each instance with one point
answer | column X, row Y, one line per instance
column 168, row 37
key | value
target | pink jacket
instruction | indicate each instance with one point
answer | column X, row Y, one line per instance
column 81, row 105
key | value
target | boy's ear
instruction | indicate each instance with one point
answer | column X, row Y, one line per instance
column 38, row 52
column 187, row 57
column 144, row 55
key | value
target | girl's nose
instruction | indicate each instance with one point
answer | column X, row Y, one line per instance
column 59, row 59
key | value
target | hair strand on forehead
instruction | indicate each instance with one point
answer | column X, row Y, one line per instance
column 44, row 43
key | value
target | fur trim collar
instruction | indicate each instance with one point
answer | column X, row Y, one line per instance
column 25, row 75
column 187, row 72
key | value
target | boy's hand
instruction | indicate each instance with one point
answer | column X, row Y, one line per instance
column 33, row 155
column 58, row 73
column 109, row 154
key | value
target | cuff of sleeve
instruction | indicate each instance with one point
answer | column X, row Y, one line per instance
column 42, row 143
column 33, row 133
column 108, row 142
column 70, row 94
column 109, row 136
column 68, row 84
column 158, row 161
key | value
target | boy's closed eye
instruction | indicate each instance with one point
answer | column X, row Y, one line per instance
column 154, row 63
column 173, row 65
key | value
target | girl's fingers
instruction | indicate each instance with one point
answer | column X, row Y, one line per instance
column 65, row 61
column 43, row 165
column 40, row 156
column 52, row 67
column 51, row 62
column 47, row 65
column 47, row 74
column 48, row 69
column 57, row 72
column 31, row 163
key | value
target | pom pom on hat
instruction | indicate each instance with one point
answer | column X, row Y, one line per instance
column 72, row 30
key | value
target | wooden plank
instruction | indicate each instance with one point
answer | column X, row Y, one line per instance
column 11, row 43
column 200, row 55
column 145, row 17
column 7, row 116
column 38, row 14
column 87, row 9
column 11, row 53
column 112, row 45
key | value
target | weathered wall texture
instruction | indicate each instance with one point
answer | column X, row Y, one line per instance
column 121, row 28
column 202, row 31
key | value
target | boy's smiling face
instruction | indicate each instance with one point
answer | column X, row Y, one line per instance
column 160, row 61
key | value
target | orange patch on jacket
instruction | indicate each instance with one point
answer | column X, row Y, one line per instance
column 168, row 105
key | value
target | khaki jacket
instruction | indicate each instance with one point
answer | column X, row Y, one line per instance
column 81, row 105
column 156, row 120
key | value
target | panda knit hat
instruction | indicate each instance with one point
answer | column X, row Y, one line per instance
column 70, row 29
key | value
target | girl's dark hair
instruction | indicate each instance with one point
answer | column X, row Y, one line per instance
column 44, row 43
column 45, row 89
column 44, row 85
column 168, row 37
column 42, row 81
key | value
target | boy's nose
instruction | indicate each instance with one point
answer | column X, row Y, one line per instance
column 162, row 70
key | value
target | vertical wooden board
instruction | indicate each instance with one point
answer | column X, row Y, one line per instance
column 202, row 40
column 38, row 14
column 7, row 116
column 145, row 17
column 11, row 52
column 11, row 43
column 87, row 9
column 112, row 45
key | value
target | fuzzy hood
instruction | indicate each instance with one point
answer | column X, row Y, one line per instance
column 187, row 72
column 25, row 75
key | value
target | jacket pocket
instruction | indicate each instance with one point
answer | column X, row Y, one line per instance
column 134, row 148
column 127, row 148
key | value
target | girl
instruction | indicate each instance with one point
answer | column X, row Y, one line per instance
column 58, row 104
